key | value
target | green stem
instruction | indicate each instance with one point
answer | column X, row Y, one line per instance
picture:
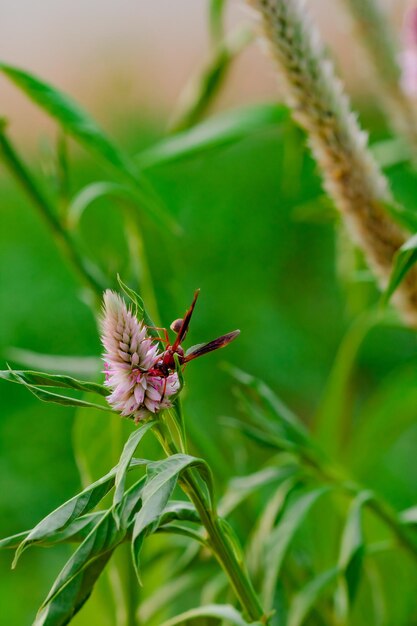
column 218, row 541
column 223, row 551
column 389, row 516
column 336, row 477
column 64, row 239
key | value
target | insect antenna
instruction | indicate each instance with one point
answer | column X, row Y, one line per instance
column 185, row 323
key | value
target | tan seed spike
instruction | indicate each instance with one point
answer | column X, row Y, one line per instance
column 320, row 106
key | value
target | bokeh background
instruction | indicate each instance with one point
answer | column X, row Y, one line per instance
column 264, row 262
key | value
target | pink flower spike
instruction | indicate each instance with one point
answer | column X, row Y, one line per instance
column 129, row 354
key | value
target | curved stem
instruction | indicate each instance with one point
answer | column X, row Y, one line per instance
column 223, row 551
column 220, row 544
column 381, row 509
column 64, row 239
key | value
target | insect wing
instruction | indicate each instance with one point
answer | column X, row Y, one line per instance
column 204, row 348
column 185, row 323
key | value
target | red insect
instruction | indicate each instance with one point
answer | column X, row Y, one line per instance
column 166, row 362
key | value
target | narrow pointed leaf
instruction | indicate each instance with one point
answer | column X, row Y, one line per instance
column 174, row 528
column 125, row 460
column 77, row 122
column 266, row 521
column 241, row 487
column 94, row 191
column 60, row 364
column 74, row 532
column 81, row 126
column 223, row 612
column 269, row 413
column 77, row 506
column 52, row 380
column 161, row 600
column 308, row 596
column 55, row 398
column 74, row 595
column 161, row 480
column 267, row 439
column 178, row 510
column 404, row 260
column 409, row 516
column 76, row 580
column 219, row 131
column 280, row 540
column 140, row 309
column 352, row 547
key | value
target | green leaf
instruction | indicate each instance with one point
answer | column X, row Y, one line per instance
column 391, row 152
column 280, row 540
column 183, row 531
column 72, row 597
column 409, row 516
column 76, row 580
column 163, row 598
column 52, row 380
column 223, row 612
column 174, row 419
column 352, row 547
column 63, row 364
column 307, row 597
column 161, row 480
column 140, row 310
column 55, row 398
column 71, row 117
column 125, row 460
column 233, row 539
column 217, row 132
column 98, row 447
column 257, row 435
column 404, row 260
column 266, row 521
column 241, row 487
column 71, row 510
column 92, row 192
column 49, row 396
column 179, row 510
column 199, row 93
column 74, row 532
column 268, row 411
column 405, row 217
column 82, row 127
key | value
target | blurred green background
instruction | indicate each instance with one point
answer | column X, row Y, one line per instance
column 267, row 258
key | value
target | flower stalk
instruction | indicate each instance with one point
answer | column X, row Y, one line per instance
column 390, row 67
column 143, row 383
column 217, row 539
column 320, row 106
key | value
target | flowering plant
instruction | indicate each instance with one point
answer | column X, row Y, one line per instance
column 277, row 559
column 137, row 389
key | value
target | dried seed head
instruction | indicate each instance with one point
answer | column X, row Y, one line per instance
column 320, row 106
